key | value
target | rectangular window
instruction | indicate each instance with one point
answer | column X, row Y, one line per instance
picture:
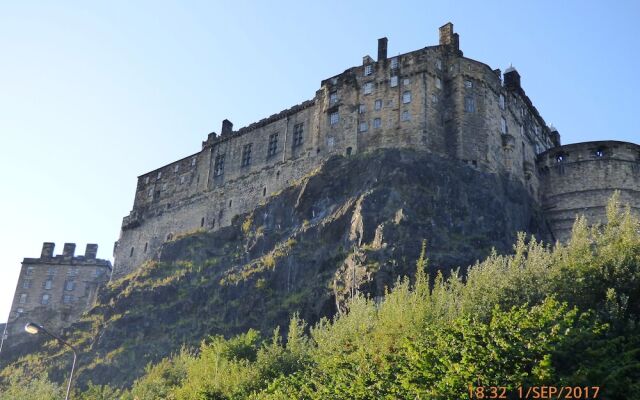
column 26, row 284
column 468, row 84
column 45, row 299
column 363, row 126
column 394, row 63
column 405, row 116
column 47, row 284
column 377, row 122
column 406, row 81
column 182, row 179
column 69, row 285
column 503, row 125
column 333, row 97
column 23, row 298
column 151, row 192
column 193, row 161
column 67, row 299
column 377, row 105
column 469, row 104
column 159, row 175
column 29, row 271
column 434, row 98
column 218, row 166
column 393, row 82
column 501, row 102
column 368, row 87
column 362, row 109
column 176, row 168
column 273, row 144
column 334, row 118
column 72, row 271
column 368, row 70
column 146, row 180
column 330, row 142
column 246, row 155
column 51, row 271
column 298, row 131
column 439, row 83
column 521, row 130
column 438, row 63
column 406, row 97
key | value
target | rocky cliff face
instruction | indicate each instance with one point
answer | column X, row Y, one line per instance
column 354, row 225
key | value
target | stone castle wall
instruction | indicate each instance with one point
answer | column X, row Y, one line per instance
column 580, row 178
column 433, row 99
column 55, row 290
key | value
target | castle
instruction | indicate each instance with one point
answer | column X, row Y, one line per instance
column 432, row 100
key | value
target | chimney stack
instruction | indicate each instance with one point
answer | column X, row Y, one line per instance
column 47, row 250
column 227, row 128
column 91, row 251
column 448, row 38
column 69, row 250
column 511, row 78
column 382, row 49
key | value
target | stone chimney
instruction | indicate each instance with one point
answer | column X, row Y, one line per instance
column 47, row 250
column 227, row 128
column 91, row 251
column 511, row 78
column 69, row 250
column 448, row 38
column 382, row 49
column 555, row 136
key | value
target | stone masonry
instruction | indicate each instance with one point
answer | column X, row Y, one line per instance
column 433, row 100
column 55, row 290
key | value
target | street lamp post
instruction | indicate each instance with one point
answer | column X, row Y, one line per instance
column 34, row 329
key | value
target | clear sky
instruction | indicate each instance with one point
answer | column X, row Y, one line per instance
column 91, row 96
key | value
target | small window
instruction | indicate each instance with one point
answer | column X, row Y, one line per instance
column 377, row 122
column 45, row 299
column 405, row 116
column 23, row 298
column 170, row 236
column 131, row 252
column 394, row 63
column 503, row 125
column 393, row 82
column 26, row 284
column 273, row 144
column 330, row 142
column 522, row 112
column 469, row 104
column 501, row 102
column 362, row 109
column 334, row 118
column 164, row 187
column 468, row 84
column 51, row 271
column 333, row 97
column 406, row 97
column 362, row 127
column 67, row 299
column 159, row 175
column 521, row 130
column 349, row 150
column 47, row 284
column 264, row 191
column 599, row 153
column 146, row 180
column 201, row 222
column 368, row 88
column 72, row 271
column 368, row 70
column 151, row 192
column 439, row 83
column 193, row 161
column 406, row 81
column 176, row 168
column 29, row 271
column 298, row 131
column 146, row 245
column 434, row 98
column 246, row 155
column 230, row 202
column 182, row 179
column 560, row 158
column 377, row 105
column 218, row 166
column 19, row 311
column 438, row 63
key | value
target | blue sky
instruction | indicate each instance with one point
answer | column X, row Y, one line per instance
column 93, row 95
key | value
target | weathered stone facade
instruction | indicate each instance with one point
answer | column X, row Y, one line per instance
column 579, row 178
column 55, row 290
column 433, row 99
